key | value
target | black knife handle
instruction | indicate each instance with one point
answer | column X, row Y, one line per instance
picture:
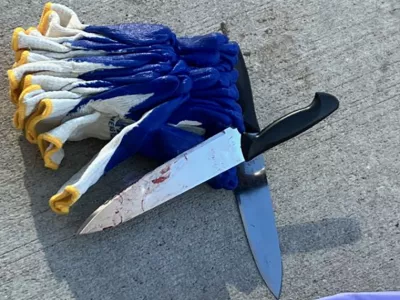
column 288, row 126
column 246, row 97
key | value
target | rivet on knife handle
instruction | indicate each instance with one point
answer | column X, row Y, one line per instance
column 289, row 126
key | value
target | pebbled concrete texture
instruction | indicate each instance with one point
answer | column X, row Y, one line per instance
column 335, row 188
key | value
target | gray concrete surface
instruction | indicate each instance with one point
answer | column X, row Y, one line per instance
column 335, row 188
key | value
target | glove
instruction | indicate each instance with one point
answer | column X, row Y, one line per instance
column 75, row 85
column 136, row 85
column 123, row 145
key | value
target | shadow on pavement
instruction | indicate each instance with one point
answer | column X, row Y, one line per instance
column 322, row 234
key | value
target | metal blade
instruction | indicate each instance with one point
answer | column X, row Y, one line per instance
column 255, row 205
column 254, row 199
column 189, row 169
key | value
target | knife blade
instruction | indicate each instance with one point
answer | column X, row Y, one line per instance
column 254, row 198
column 217, row 154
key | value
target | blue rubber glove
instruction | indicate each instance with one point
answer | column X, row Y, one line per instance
column 137, row 85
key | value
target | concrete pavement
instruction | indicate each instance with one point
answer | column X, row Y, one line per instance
column 335, row 188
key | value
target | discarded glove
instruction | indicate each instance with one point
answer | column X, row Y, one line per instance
column 138, row 86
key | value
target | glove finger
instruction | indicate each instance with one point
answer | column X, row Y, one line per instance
column 75, row 85
column 32, row 40
column 231, row 93
column 61, row 68
column 51, row 143
column 205, row 78
column 203, row 59
column 229, row 53
column 79, row 51
column 208, row 50
column 212, row 121
column 22, row 41
column 129, row 100
column 230, row 118
column 207, row 43
column 30, row 98
column 224, row 104
column 49, row 113
column 213, row 117
column 145, row 76
column 57, row 20
column 228, row 79
column 136, row 34
column 111, row 75
column 62, row 55
column 29, row 57
column 132, row 60
column 172, row 140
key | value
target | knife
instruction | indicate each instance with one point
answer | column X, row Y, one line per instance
column 254, row 198
column 215, row 155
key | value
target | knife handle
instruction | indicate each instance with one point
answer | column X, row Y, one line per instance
column 288, row 126
column 246, row 96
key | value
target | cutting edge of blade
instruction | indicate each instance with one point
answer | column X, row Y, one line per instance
column 275, row 289
column 275, row 292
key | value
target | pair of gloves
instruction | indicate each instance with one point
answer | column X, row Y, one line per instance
column 137, row 86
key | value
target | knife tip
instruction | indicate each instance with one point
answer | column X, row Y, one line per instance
column 275, row 287
column 277, row 294
column 275, row 290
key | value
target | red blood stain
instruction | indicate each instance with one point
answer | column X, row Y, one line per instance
column 160, row 179
column 165, row 170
